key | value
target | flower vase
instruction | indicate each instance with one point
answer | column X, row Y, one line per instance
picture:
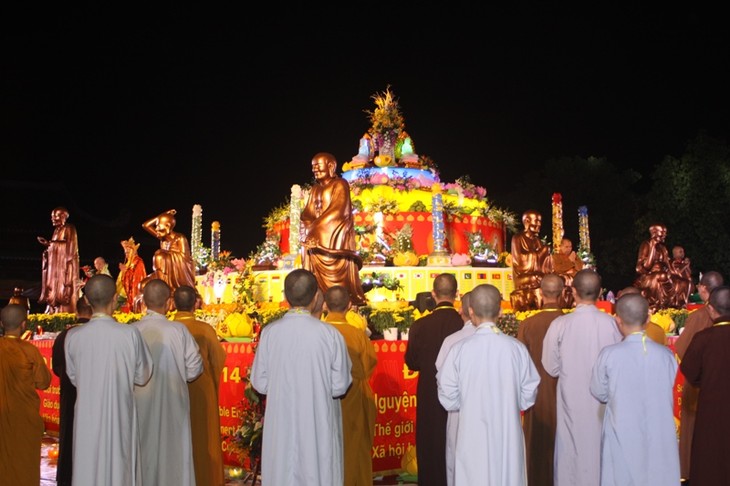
column 390, row 334
column 404, row 335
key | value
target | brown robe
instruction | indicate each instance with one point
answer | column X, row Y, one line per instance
column 22, row 373
column 204, row 415
column 358, row 404
column 424, row 342
column 540, row 420
column 329, row 225
column 60, row 271
column 705, row 365
column 696, row 321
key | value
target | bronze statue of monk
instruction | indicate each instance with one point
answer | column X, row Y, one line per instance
column 328, row 231
column 652, row 269
column 530, row 261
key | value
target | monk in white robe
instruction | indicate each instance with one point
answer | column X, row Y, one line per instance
column 569, row 350
column 302, row 366
column 634, row 378
column 164, row 402
column 104, row 361
column 489, row 378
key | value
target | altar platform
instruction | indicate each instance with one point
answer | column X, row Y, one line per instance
column 413, row 280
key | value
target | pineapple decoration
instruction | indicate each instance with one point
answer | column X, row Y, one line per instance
column 403, row 254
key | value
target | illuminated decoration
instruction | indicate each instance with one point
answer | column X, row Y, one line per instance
column 558, row 231
column 437, row 214
column 439, row 256
column 583, row 232
column 196, row 237
column 295, row 210
column 215, row 240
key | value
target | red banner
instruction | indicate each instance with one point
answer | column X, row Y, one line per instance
column 393, row 384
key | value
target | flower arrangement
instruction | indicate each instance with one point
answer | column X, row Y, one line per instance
column 219, row 268
column 51, row 322
column 387, row 120
column 387, row 315
column 463, row 187
column 268, row 252
column 246, row 441
column 479, row 249
column 376, row 280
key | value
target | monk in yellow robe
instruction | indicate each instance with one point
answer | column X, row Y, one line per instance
column 22, row 373
column 358, row 404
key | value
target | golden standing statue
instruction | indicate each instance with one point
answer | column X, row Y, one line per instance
column 328, row 231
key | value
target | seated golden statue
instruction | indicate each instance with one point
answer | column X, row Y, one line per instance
column 530, row 261
column 173, row 262
column 653, row 272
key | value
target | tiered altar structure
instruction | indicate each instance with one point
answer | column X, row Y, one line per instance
column 410, row 225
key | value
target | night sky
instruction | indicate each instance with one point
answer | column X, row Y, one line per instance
column 139, row 112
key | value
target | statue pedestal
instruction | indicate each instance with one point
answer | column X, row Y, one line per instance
column 439, row 259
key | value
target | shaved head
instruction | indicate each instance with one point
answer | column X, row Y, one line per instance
column 337, row 298
column 300, row 287
column 552, row 285
column 185, row 297
column 720, row 300
column 633, row 309
column 100, row 290
column 13, row 316
column 156, row 293
column 445, row 286
column 485, row 301
column 587, row 284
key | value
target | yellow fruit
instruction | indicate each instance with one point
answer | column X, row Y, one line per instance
column 383, row 160
column 408, row 462
column 239, row 325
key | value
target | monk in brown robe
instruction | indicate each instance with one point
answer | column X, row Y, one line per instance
column 697, row 320
column 540, row 420
column 328, row 231
column 705, row 365
column 173, row 262
column 60, row 276
column 204, row 392
column 530, row 261
column 22, row 373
